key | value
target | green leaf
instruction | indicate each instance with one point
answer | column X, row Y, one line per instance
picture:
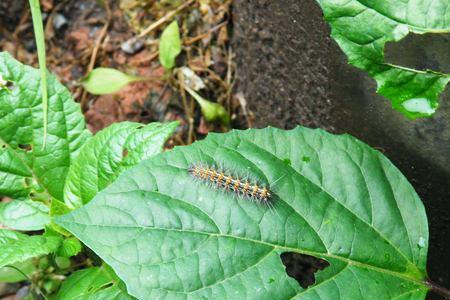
column 69, row 247
column 362, row 28
column 24, row 215
column 21, row 131
column 14, row 172
column 18, row 247
column 101, row 81
column 210, row 110
column 112, row 150
column 92, row 284
column 335, row 198
column 169, row 45
column 62, row 262
column 58, row 208
column 12, row 274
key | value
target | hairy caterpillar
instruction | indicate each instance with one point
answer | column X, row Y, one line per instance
column 221, row 180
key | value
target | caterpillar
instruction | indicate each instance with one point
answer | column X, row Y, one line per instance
column 240, row 187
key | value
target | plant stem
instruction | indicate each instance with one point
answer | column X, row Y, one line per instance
column 28, row 278
column 437, row 289
column 40, row 45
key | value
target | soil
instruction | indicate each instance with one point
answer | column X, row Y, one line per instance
column 76, row 42
column 291, row 72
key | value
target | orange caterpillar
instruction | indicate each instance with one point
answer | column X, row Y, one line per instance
column 219, row 179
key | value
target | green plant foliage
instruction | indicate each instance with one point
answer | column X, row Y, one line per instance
column 170, row 237
column 114, row 149
column 101, row 81
column 18, row 247
column 14, row 172
column 69, row 247
column 24, row 215
column 24, row 162
column 210, row 110
column 169, row 45
column 91, row 284
column 12, row 274
column 362, row 28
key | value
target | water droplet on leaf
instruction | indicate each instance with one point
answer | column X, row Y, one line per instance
column 421, row 242
column 419, row 105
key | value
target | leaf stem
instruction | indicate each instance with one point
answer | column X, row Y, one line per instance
column 28, row 278
column 40, row 45
column 437, row 289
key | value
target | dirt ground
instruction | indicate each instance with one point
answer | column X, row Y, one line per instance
column 84, row 34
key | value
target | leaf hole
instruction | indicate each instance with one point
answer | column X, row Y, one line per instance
column 6, row 85
column 92, row 289
column 26, row 147
column 10, row 85
column 302, row 267
column 420, row 52
column 124, row 153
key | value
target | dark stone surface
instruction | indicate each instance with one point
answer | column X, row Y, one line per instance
column 291, row 72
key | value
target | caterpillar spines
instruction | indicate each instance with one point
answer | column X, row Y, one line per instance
column 218, row 178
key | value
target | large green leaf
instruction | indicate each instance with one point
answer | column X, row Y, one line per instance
column 108, row 153
column 363, row 27
column 17, row 247
column 94, row 283
column 24, row 215
column 22, row 155
column 334, row 198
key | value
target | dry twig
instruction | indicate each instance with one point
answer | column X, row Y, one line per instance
column 166, row 18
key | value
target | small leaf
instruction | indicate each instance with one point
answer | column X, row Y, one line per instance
column 112, row 150
column 169, row 45
column 24, row 215
column 101, row 81
column 91, row 284
column 62, row 262
column 169, row 236
column 69, row 247
column 18, row 247
column 362, row 29
column 11, row 272
column 210, row 110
